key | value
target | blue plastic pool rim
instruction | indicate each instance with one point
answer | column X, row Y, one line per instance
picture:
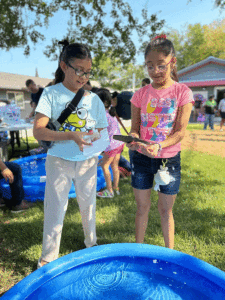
column 35, row 280
column 37, row 194
column 30, row 157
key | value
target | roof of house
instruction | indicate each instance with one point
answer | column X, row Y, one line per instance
column 204, row 62
column 17, row 82
column 197, row 83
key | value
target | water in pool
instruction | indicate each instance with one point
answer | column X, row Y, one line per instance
column 141, row 279
column 34, row 168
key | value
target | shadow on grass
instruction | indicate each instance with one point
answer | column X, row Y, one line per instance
column 22, row 150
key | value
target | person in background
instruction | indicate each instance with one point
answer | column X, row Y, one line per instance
column 197, row 108
column 66, row 162
column 221, row 109
column 114, row 98
column 36, row 93
column 124, row 167
column 209, row 108
column 111, row 155
column 87, row 86
column 12, row 172
column 145, row 82
column 160, row 115
column 94, row 89
column 121, row 102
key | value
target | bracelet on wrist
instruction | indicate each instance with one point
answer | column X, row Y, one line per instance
column 160, row 147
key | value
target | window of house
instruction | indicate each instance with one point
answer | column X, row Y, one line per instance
column 18, row 97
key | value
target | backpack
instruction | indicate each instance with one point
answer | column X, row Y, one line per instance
column 123, row 107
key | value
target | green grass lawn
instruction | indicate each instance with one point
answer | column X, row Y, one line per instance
column 198, row 212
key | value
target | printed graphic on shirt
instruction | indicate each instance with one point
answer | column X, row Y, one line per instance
column 158, row 119
column 78, row 121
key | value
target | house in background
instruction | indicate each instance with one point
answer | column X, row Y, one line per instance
column 13, row 87
column 206, row 78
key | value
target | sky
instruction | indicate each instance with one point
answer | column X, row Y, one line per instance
column 176, row 13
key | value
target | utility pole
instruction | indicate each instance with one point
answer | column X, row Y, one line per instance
column 133, row 82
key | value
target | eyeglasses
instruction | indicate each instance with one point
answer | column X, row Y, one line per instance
column 80, row 73
column 161, row 68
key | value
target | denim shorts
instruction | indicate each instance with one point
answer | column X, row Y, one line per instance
column 144, row 168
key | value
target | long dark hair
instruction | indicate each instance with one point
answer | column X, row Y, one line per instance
column 69, row 52
column 106, row 98
column 165, row 46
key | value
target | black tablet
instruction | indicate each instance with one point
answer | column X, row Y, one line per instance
column 129, row 139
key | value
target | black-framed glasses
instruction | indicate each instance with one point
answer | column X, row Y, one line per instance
column 81, row 73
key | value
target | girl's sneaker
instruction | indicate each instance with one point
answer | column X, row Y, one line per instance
column 117, row 191
column 105, row 194
column 41, row 264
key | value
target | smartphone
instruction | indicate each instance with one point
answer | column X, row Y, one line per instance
column 129, row 139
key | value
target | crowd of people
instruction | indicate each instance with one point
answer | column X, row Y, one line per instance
column 208, row 110
column 159, row 113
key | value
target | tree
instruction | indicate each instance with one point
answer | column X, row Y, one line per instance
column 217, row 3
column 111, row 73
column 220, row 3
column 214, row 35
column 15, row 28
column 20, row 22
column 105, row 25
column 199, row 42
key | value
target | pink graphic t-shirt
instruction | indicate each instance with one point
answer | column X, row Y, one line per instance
column 159, row 111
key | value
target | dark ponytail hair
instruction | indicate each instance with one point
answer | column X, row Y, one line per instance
column 70, row 52
column 114, row 94
column 106, row 98
column 165, row 46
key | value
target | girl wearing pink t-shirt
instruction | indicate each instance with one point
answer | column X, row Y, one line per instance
column 160, row 113
column 111, row 155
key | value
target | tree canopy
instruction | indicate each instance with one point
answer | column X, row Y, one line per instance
column 111, row 73
column 16, row 29
column 199, row 42
column 105, row 25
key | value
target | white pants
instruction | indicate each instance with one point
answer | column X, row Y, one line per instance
column 59, row 176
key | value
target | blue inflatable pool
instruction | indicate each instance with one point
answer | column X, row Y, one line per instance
column 123, row 271
column 34, row 178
